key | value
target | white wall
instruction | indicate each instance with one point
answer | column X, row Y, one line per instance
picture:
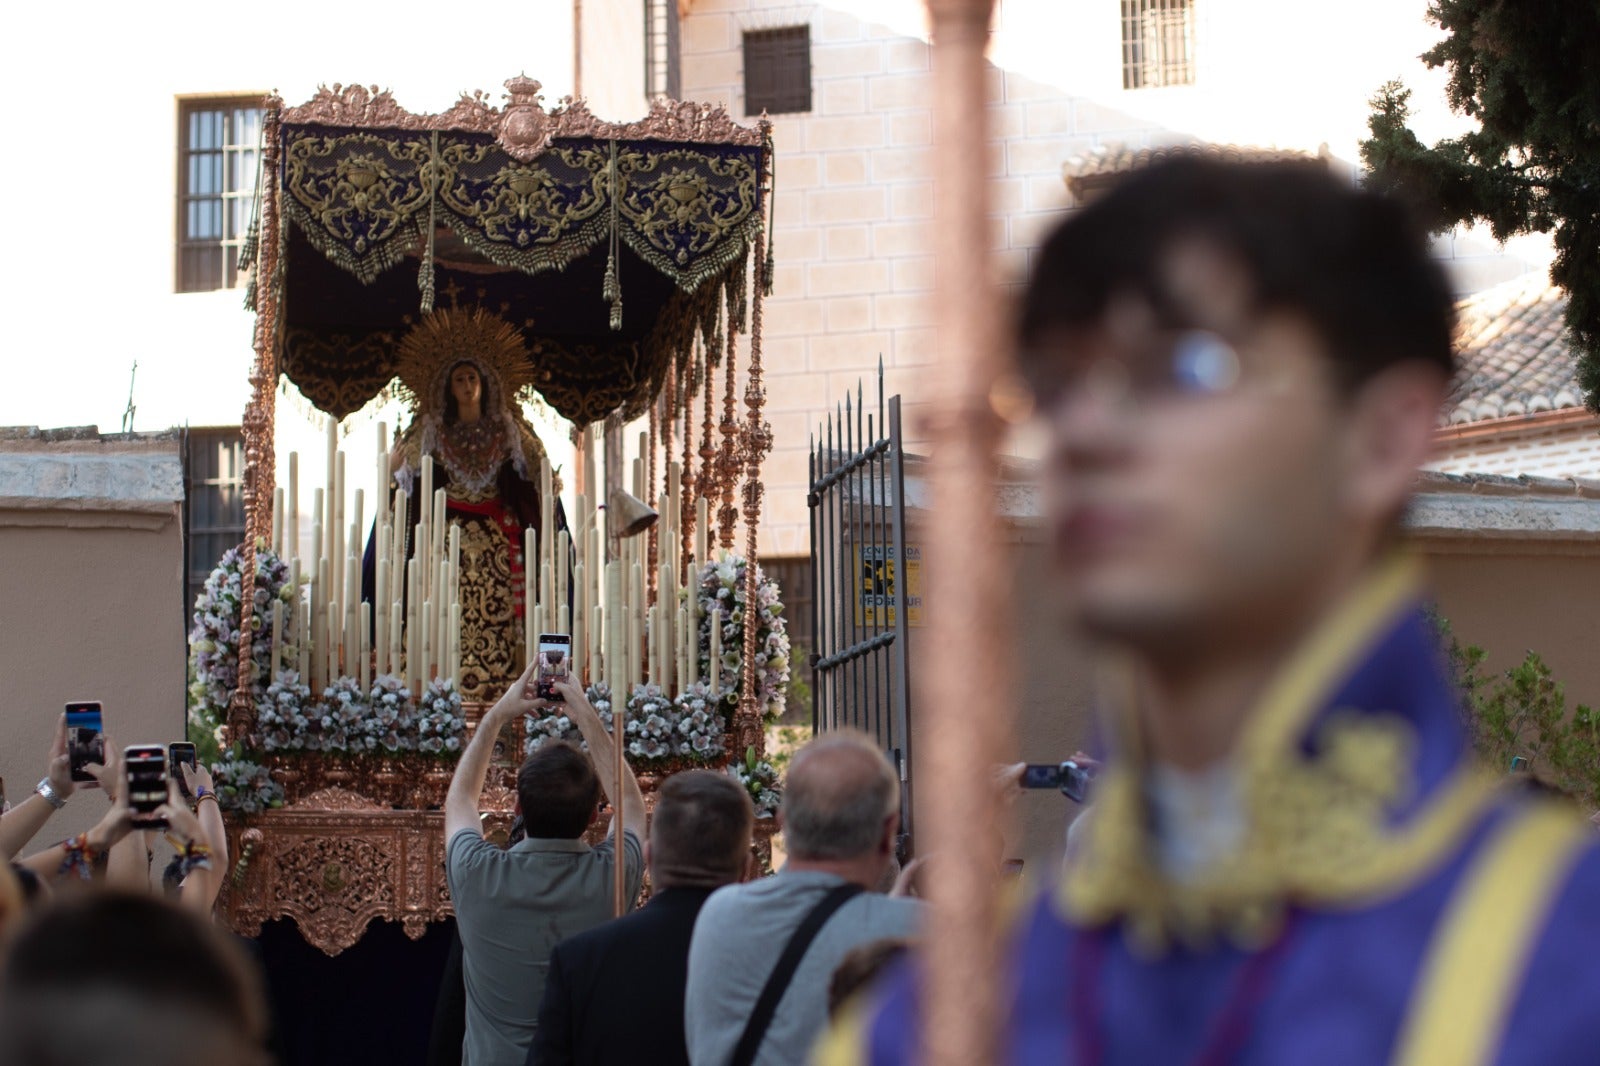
column 88, row 276
column 854, row 175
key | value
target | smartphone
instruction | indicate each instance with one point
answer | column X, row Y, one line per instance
column 1073, row 780
column 555, row 652
column 178, row 755
column 146, row 767
column 85, row 740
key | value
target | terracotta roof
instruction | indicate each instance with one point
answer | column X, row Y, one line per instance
column 1089, row 173
column 1514, row 357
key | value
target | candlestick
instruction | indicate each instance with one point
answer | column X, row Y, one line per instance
column 292, row 533
column 366, row 648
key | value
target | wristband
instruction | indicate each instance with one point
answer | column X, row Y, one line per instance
column 206, row 794
column 51, row 796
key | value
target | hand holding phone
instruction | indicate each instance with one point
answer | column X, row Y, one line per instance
column 555, row 655
column 179, row 755
column 145, row 778
column 1070, row 777
column 85, row 740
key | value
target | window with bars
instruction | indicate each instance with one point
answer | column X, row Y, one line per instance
column 777, row 70
column 662, row 73
column 213, row 504
column 1157, row 43
column 218, row 152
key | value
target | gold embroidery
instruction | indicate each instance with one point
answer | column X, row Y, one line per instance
column 1318, row 829
column 491, row 646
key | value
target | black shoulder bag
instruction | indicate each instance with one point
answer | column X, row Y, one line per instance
column 755, row 1030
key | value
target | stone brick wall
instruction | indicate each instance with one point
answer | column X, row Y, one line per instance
column 1559, row 451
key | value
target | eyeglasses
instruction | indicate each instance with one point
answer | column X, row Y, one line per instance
column 1181, row 363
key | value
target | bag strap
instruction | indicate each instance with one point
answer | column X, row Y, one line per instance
column 755, row 1030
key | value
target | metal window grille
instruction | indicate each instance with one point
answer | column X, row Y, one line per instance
column 219, row 144
column 1157, row 43
column 777, row 70
column 663, row 74
column 213, row 503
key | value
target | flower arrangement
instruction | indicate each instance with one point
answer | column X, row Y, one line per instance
column 438, row 723
column 722, row 588
column 759, row 778
column 214, row 638
column 243, row 786
column 652, row 724
column 344, row 713
column 555, row 725
column 391, row 715
column 282, row 716
column 699, row 724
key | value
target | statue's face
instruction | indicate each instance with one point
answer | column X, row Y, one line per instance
column 466, row 386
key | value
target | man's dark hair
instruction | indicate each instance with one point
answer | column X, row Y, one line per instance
column 559, row 792
column 114, row 978
column 1356, row 265
column 700, row 830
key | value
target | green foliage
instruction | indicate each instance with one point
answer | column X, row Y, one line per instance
column 1524, row 712
column 1522, row 71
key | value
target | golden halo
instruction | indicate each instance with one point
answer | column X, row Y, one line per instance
column 449, row 336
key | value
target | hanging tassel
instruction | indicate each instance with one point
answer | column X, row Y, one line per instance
column 425, row 275
column 611, row 288
column 769, row 267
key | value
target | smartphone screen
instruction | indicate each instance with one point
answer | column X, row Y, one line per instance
column 179, row 754
column 555, row 652
column 1041, row 775
column 146, row 766
column 85, row 739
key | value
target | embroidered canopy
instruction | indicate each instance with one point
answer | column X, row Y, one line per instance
column 613, row 247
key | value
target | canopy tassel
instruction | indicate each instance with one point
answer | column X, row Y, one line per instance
column 769, row 266
column 425, row 275
column 611, row 288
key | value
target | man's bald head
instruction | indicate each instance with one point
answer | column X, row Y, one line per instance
column 837, row 796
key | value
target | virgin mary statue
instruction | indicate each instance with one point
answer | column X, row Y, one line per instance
column 464, row 371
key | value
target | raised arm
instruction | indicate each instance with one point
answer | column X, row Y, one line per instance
column 20, row 824
column 461, row 802
column 604, row 754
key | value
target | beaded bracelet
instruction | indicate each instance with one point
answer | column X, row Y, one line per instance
column 77, row 857
column 190, row 856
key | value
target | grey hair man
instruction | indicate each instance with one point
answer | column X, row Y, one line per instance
column 763, row 953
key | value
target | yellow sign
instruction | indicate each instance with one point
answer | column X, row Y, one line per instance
column 878, row 588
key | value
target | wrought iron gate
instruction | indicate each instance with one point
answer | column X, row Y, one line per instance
column 862, row 582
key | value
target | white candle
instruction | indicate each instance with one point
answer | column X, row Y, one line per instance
column 380, row 643
column 396, row 628
column 292, row 533
column 357, row 545
column 303, row 664
column 598, row 671
column 579, row 637
column 380, row 485
column 366, row 647
column 653, row 660
column 455, row 644
column 616, row 667
column 413, row 625
column 441, row 623
column 277, row 640
column 338, row 519
column 428, row 637
column 702, row 523
column 714, row 666
column 330, row 666
column 321, row 595
column 530, row 593
column 277, row 521
column 325, row 547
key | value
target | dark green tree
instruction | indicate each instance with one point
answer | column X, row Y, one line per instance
column 1527, row 72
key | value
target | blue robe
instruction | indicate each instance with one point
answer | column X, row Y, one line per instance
column 1406, row 908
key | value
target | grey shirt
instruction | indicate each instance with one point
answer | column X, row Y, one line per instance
column 512, row 906
column 738, row 937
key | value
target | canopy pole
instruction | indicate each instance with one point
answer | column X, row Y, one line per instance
column 968, row 564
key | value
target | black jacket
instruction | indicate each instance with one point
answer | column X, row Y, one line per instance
column 614, row 994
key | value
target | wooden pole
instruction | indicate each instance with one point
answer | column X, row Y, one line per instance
column 967, row 563
column 619, row 714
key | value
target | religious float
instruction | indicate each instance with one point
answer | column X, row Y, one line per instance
column 468, row 263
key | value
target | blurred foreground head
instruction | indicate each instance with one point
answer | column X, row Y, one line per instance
column 107, row 979
column 1240, row 366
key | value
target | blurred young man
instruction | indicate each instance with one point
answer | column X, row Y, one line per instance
column 1293, row 856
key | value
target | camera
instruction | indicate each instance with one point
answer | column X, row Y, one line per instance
column 1073, row 780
